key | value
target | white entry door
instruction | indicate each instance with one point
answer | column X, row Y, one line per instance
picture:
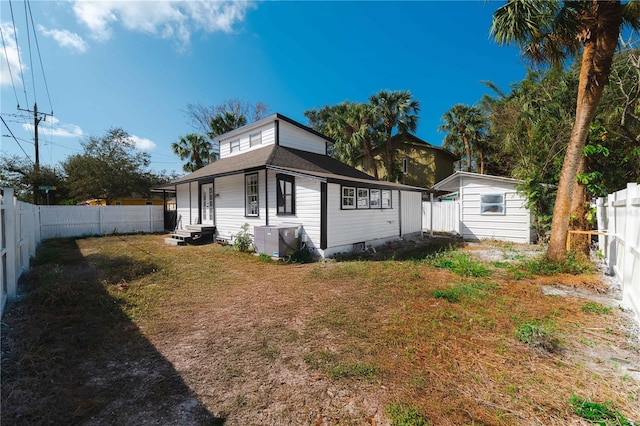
column 207, row 204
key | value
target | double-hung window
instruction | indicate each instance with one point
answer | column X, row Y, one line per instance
column 348, row 197
column 255, row 139
column 251, row 207
column 235, row 145
column 286, row 187
column 375, row 198
column 386, row 199
column 492, row 204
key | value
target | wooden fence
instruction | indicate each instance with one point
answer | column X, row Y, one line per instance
column 441, row 216
column 23, row 226
column 619, row 217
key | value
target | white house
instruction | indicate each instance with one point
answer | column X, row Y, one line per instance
column 276, row 172
column 490, row 207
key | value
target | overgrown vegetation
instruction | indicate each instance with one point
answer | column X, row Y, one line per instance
column 597, row 413
column 125, row 320
column 243, row 240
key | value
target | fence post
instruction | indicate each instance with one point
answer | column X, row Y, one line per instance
column 10, row 234
column 631, row 231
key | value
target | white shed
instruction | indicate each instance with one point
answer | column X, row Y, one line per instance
column 490, row 207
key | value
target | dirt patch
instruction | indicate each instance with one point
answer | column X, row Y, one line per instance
column 137, row 332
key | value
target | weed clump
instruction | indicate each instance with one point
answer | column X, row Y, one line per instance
column 406, row 415
column 538, row 335
column 459, row 263
column 597, row 413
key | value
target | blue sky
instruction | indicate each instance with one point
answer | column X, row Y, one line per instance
column 137, row 65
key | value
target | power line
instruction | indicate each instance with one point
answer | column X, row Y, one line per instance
column 35, row 37
column 15, row 35
column 16, row 139
column 6, row 56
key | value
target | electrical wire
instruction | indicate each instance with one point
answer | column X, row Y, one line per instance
column 33, row 79
column 15, row 35
column 16, row 139
column 35, row 37
column 6, row 56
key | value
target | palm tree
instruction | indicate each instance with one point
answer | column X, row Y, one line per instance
column 465, row 125
column 225, row 121
column 196, row 149
column 549, row 31
column 395, row 110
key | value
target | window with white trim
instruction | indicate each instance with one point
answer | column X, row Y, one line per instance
column 492, row 204
column 251, row 207
column 255, row 139
column 286, row 194
column 375, row 198
column 348, row 197
column 234, row 146
column 363, row 198
column 386, row 199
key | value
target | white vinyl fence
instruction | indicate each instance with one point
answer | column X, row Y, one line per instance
column 441, row 216
column 619, row 216
column 23, row 226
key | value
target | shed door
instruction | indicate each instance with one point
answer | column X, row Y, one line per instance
column 207, row 204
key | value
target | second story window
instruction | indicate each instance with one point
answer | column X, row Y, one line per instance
column 235, row 146
column 255, row 139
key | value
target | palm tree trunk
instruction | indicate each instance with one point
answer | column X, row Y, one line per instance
column 481, row 163
column 597, row 57
column 578, row 221
column 467, row 147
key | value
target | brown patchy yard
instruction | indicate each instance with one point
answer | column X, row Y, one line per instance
column 128, row 330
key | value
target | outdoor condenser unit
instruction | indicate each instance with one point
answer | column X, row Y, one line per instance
column 276, row 241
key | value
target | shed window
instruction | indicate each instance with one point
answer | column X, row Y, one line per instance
column 286, row 194
column 235, row 145
column 492, row 204
column 255, row 139
column 251, row 195
column 348, row 197
column 363, row 198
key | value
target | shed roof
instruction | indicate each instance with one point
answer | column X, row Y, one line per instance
column 452, row 182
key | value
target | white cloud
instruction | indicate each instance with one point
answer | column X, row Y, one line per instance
column 165, row 19
column 12, row 56
column 51, row 126
column 66, row 39
column 143, row 144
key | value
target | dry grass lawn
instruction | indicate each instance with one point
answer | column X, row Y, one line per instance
column 128, row 330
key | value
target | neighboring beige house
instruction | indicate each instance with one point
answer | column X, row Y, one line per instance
column 422, row 164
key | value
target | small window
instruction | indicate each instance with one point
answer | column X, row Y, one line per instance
column 286, row 194
column 235, row 145
column 149, row 203
column 118, row 203
column 492, row 204
column 375, row 198
column 405, row 165
column 386, row 199
column 251, row 194
column 255, row 139
column 363, row 198
column 348, row 197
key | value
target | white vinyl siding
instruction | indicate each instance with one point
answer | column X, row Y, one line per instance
column 411, row 211
column 346, row 227
column 267, row 137
column 514, row 224
column 307, row 209
column 293, row 137
column 230, row 205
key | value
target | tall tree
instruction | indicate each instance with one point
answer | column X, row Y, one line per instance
column 214, row 120
column 465, row 125
column 395, row 110
column 20, row 174
column 110, row 167
column 549, row 31
column 195, row 149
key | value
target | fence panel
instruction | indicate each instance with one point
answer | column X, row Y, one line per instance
column 619, row 215
column 446, row 216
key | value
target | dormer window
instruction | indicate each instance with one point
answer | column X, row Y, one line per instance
column 235, row 146
column 255, row 139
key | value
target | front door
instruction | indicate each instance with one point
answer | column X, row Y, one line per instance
column 206, row 206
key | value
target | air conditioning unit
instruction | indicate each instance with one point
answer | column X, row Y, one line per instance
column 277, row 241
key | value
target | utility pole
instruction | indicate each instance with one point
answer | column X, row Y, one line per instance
column 36, row 121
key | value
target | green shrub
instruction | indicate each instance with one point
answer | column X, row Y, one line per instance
column 243, row 240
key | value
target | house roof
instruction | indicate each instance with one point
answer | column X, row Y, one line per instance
column 286, row 160
column 269, row 119
column 452, row 182
column 409, row 139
